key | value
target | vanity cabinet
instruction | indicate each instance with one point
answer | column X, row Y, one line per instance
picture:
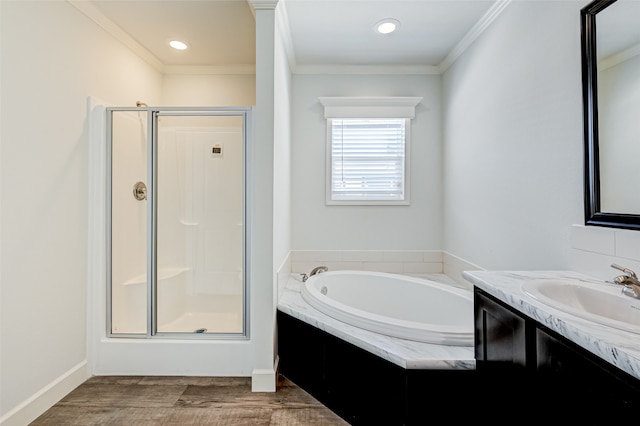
column 522, row 363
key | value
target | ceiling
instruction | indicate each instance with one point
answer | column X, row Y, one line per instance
column 221, row 33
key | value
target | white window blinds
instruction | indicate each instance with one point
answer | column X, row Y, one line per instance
column 367, row 160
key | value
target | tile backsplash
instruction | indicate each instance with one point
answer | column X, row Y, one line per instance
column 392, row 261
column 400, row 262
column 595, row 248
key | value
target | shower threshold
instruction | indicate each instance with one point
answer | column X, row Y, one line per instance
column 204, row 322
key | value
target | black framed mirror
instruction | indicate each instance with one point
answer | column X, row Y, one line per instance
column 610, row 187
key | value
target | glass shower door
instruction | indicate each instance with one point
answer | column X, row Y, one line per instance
column 200, row 216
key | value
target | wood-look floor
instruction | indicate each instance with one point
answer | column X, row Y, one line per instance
column 140, row 401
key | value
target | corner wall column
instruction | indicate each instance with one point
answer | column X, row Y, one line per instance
column 262, row 276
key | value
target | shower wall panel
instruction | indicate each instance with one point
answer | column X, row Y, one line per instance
column 206, row 235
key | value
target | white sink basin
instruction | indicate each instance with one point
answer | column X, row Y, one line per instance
column 599, row 302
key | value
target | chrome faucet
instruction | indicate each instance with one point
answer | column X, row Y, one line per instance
column 314, row 271
column 629, row 281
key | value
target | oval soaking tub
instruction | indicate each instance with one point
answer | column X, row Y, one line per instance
column 394, row 305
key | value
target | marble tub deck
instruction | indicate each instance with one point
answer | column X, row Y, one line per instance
column 404, row 353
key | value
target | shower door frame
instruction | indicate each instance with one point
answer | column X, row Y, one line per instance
column 152, row 247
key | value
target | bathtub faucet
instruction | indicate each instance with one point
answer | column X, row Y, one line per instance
column 314, row 271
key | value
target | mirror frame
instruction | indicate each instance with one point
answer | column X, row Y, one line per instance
column 592, row 208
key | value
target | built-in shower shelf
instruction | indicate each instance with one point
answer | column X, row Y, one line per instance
column 163, row 274
column 186, row 222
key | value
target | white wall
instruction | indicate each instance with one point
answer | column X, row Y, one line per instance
column 282, row 153
column 47, row 76
column 208, row 90
column 513, row 140
column 316, row 226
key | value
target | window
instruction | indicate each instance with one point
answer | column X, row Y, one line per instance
column 368, row 150
column 367, row 159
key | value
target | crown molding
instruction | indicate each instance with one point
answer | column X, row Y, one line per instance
column 366, row 69
column 619, row 57
column 110, row 27
column 249, row 69
column 282, row 23
column 87, row 8
column 475, row 32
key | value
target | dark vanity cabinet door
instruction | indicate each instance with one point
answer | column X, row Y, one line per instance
column 500, row 350
column 580, row 387
column 500, row 336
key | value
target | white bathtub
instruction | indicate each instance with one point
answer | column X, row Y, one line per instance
column 394, row 305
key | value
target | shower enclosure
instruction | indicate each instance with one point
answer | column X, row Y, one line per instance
column 176, row 233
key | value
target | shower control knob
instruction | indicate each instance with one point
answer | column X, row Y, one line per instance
column 140, row 191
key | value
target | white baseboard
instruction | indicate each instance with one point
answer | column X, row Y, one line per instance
column 46, row 397
column 265, row 379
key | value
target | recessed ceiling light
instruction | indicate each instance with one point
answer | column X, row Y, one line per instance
column 179, row 45
column 387, row 26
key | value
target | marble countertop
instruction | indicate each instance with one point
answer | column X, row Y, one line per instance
column 618, row 347
column 405, row 353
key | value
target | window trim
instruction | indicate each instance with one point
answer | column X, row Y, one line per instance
column 368, row 108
